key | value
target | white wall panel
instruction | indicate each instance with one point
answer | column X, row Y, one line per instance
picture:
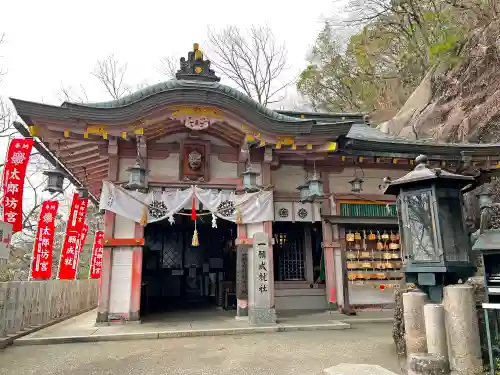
column 121, row 281
column 164, row 168
column 124, row 228
column 220, row 169
column 288, row 177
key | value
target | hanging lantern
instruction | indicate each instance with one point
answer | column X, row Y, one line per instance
column 82, row 192
column 250, row 180
column 356, row 185
column 315, row 188
column 55, row 180
column 137, row 176
column 304, row 192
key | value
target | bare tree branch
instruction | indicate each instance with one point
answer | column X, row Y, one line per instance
column 68, row 94
column 111, row 74
column 169, row 66
column 253, row 60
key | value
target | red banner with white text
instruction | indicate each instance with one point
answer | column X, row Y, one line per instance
column 96, row 260
column 41, row 267
column 13, row 181
column 70, row 251
column 80, row 244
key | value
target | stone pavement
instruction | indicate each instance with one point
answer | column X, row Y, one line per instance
column 191, row 323
column 290, row 353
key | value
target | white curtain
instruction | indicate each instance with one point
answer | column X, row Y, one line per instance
column 252, row 207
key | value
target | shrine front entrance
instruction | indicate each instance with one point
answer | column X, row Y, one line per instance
column 177, row 275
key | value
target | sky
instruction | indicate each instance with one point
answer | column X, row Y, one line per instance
column 53, row 42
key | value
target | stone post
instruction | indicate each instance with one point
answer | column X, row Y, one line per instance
column 435, row 330
column 261, row 309
column 427, row 364
column 463, row 330
column 413, row 305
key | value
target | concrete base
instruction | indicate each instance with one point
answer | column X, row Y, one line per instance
column 242, row 311
column 262, row 316
column 241, row 318
column 102, row 317
column 134, row 316
column 353, row 369
column 427, row 364
column 131, row 335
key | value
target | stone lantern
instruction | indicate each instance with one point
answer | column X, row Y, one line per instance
column 250, row 180
column 55, row 180
column 434, row 239
column 137, row 176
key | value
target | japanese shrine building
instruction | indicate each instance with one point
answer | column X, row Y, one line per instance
column 335, row 252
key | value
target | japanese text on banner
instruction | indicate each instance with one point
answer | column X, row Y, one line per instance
column 97, row 252
column 13, row 182
column 44, row 241
column 74, row 228
column 80, row 243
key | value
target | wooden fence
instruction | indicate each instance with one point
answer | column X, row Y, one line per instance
column 27, row 304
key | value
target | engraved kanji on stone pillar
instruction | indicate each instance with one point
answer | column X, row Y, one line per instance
column 261, row 310
column 242, row 281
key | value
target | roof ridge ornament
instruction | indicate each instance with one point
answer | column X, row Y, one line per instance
column 195, row 67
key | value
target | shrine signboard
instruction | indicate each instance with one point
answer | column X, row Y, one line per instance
column 242, row 272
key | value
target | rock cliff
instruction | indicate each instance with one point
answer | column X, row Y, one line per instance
column 457, row 104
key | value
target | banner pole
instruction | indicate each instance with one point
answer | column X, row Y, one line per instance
column 64, row 240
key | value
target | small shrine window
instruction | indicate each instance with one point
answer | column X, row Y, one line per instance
column 289, row 251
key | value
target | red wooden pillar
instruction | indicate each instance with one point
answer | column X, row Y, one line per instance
column 328, row 245
column 268, row 225
column 107, row 261
column 107, row 254
column 135, row 297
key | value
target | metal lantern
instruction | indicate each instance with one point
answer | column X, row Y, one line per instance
column 315, row 188
column 356, row 185
column 304, row 192
column 434, row 239
column 82, row 192
column 250, row 180
column 485, row 198
column 137, row 176
column 55, row 180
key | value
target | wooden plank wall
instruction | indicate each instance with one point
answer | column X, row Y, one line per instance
column 28, row 304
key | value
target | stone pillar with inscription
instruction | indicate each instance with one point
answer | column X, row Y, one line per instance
column 242, row 282
column 261, row 309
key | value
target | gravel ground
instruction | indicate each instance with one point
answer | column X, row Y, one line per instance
column 278, row 353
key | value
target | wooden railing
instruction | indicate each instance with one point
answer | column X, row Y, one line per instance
column 28, row 304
